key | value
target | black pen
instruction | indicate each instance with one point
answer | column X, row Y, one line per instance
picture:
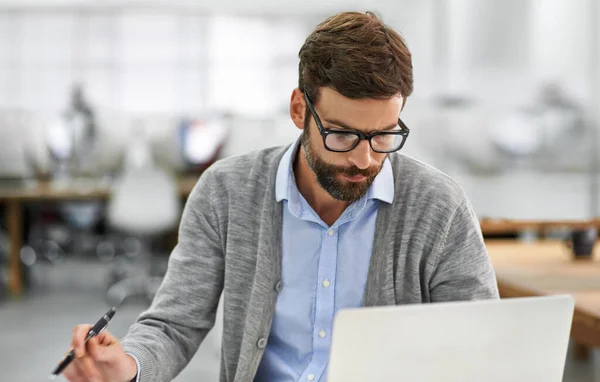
column 94, row 331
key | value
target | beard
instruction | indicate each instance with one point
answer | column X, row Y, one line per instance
column 328, row 175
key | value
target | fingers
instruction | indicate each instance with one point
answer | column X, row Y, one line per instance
column 96, row 350
column 78, row 341
column 82, row 369
column 74, row 372
column 83, row 366
column 79, row 369
column 106, row 339
column 89, row 369
column 87, row 355
column 100, row 347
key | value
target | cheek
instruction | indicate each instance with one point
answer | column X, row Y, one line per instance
column 318, row 149
column 316, row 141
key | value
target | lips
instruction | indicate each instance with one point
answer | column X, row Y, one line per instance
column 356, row 178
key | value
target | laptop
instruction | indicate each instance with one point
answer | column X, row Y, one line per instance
column 517, row 340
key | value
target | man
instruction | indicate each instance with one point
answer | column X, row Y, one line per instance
column 291, row 235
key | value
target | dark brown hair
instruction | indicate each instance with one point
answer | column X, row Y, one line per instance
column 357, row 55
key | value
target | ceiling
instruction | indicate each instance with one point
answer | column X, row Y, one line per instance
column 275, row 7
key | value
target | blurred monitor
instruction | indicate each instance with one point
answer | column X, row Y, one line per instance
column 200, row 142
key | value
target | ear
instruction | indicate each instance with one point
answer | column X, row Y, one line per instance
column 298, row 108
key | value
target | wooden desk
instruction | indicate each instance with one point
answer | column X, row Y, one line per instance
column 502, row 226
column 45, row 192
column 545, row 268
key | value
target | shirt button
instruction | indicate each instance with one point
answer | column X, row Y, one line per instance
column 278, row 287
column 311, row 377
column 262, row 343
column 330, row 232
column 326, row 283
column 322, row 334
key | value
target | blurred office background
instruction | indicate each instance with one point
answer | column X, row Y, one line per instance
column 110, row 110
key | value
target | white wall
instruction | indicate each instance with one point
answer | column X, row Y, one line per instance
column 159, row 60
column 143, row 61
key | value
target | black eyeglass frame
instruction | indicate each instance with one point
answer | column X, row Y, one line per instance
column 404, row 131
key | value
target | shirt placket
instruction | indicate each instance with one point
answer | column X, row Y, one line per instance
column 324, row 305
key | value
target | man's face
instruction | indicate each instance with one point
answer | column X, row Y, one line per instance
column 347, row 176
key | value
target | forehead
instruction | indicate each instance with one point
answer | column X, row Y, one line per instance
column 361, row 114
column 330, row 98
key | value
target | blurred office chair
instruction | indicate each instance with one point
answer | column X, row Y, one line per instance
column 145, row 204
column 72, row 140
column 72, row 151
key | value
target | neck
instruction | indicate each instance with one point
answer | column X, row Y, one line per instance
column 328, row 208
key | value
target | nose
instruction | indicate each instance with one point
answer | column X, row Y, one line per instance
column 360, row 156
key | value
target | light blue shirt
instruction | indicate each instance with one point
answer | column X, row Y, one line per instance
column 324, row 269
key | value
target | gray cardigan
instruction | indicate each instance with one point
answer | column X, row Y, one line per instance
column 428, row 247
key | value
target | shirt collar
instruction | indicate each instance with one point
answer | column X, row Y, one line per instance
column 382, row 187
column 285, row 173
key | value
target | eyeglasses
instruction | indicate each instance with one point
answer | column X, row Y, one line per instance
column 341, row 141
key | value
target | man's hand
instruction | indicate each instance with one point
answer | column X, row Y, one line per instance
column 102, row 359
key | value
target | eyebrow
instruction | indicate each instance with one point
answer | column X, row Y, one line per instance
column 345, row 126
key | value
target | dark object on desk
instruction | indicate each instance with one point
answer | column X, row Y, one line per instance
column 94, row 331
column 582, row 242
column 12, row 183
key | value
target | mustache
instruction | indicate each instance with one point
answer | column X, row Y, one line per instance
column 355, row 171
